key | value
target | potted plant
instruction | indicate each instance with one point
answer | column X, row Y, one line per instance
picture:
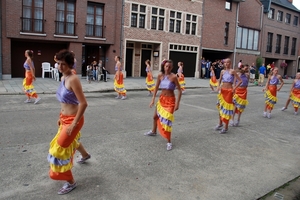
column 283, row 65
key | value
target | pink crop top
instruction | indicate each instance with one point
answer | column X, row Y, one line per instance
column 166, row 84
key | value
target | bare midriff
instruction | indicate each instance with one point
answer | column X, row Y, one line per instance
column 168, row 93
column 68, row 109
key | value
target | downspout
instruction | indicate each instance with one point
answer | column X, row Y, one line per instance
column 1, row 39
column 122, row 30
column 236, row 30
column 200, row 49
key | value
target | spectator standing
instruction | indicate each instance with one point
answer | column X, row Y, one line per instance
column 262, row 74
column 207, row 70
column 252, row 73
column 203, row 67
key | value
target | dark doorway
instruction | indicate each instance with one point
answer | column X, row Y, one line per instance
column 92, row 53
column 42, row 52
column 128, row 64
column 215, row 55
column 146, row 54
column 189, row 62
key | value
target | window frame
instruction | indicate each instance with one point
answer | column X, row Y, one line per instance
column 288, row 20
column 159, row 22
column 68, row 28
column 97, row 29
column 226, row 33
column 286, row 45
column 31, row 23
column 271, row 13
column 191, row 24
column 279, row 16
column 228, row 5
column 140, row 20
column 294, row 45
column 175, row 22
column 296, row 20
column 278, row 44
column 269, row 42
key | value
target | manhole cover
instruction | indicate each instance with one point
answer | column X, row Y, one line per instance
column 279, row 196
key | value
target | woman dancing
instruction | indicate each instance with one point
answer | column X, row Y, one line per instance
column 29, row 78
column 295, row 93
column 167, row 103
column 118, row 83
column 181, row 77
column 213, row 80
column 70, row 122
column 149, row 79
column 271, row 91
column 226, row 88
column 240, row 97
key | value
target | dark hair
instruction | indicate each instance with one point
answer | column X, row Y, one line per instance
column 67, row 56
column 30, row 53
column 180, row 64
column 163, row 65
column 148, row 62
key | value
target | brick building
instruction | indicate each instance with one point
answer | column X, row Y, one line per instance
column 91, row 29
column 162, row 29
column 281, row 35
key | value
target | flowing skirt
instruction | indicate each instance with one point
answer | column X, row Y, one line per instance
column 213, row 81
column 28, row 86
column 240, row 99
column 165, row 109
column 181, row 82
column 225, row 104
column 295, row 98
column 271, row 97
column 119, row 85
column 150, row 82
column 62, row 149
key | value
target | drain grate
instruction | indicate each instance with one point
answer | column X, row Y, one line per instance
column 279, row 196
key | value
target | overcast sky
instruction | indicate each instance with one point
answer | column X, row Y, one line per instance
column 297, row 3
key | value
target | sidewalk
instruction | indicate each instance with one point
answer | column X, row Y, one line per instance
column 49, row 86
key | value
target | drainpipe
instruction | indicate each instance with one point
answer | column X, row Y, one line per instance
column 122, row 30
column 0, row 39
column 201, row 39
column 236, row 30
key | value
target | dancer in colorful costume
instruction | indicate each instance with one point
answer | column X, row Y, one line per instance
column 226, row 88
column 70, row 122
column 118, row 82
column 271, row 91
column 240, row 97
column 181, row 77
column 149, row 79
column 295, row 93
column 167, row 103
column 213, row 80
column 29, row 78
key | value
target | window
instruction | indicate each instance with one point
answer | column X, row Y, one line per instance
column 271, row 13
column 286, row 45
column 226, row 33
column 269, row 43
column 295, row 22
column 157, row 19
column 288, row 18
column 33, row 18
column 65, row 17
column 228, row 4
column 278, row 44
column 279, row 16
column 138, row 15
column 175, row 22
column 94, row 20
column 294, row 43
column 191, row 24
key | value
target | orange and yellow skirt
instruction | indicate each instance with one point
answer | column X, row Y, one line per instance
column 181, row 82
column 213, row 81
column 165, row 109
column 28, row 86
column 150, row 82
column 225, row 104
column 240, row 99
column 119, row 85
column 62, row 149
column 271, row 97
column 295, row 98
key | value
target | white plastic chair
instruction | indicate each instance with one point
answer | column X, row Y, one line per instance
column 46, row 68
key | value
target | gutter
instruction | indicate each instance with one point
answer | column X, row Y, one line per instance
column 122, row 30
column 236, row 30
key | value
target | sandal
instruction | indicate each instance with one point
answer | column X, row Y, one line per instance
column 150, row 133
column 169, row 146
column 223, row 131
column 66, row 188
column 83, row 160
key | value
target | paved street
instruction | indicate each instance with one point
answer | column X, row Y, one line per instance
column 248, row 162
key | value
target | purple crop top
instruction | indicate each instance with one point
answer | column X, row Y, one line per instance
column 274, row 81
column 179, row 71
column 227, row 78
column 166, row 84
column 297, row 85
column 64, row 95
column 116, row 68
column 26, row 66
column 245, row 80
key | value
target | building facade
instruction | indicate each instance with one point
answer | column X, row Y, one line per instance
column 156, row 30
column 91, row 29
column 281, row 35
